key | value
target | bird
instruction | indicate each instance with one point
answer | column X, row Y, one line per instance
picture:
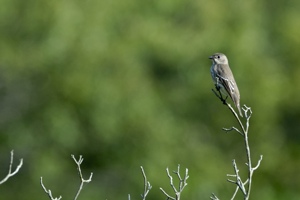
column 223, row 78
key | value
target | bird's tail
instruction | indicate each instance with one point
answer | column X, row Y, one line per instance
column 239, row 108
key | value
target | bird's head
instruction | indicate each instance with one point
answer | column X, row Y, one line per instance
column 219, row 58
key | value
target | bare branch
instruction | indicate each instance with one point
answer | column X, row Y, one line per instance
column 10, row 173
column 247, row 181
column 186, row 176
column 231, row 129
column 182, row 183
column 247, row 110
column 238, row 181
column 171, row 181
column 214, row 197
column 147, row 186
column 78, row 163
column 168, row 196
column 237, row 117
column 258, row 163
column 243, row 131
column 49, row 191
column 235, row 192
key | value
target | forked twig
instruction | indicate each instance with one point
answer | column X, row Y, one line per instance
column 10, row 173
column 147, row 185
column 49, row 191
column 182, row 183
column 214, row 197
column 82, row 180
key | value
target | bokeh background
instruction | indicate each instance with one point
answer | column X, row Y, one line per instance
column 127, row 84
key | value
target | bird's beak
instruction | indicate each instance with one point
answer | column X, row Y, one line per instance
column 211, row 57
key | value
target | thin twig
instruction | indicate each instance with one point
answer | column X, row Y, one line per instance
column 171, row 181
column 78, row 163
column 147, row 186
column 49, row 192
column 237, row 117
column 214, row 197
column 168, row 196
column 238, row 180
column 235, row 192
column 231, row 129
column 82, row 180
column 258, row 163
column 182, row 183
column 10, row 173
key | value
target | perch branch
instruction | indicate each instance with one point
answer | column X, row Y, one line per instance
column 243, row 132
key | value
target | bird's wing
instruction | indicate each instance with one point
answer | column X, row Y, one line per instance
column 226, row 79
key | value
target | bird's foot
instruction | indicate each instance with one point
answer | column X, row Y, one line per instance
column 219, row 95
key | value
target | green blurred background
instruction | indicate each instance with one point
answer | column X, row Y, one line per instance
column 127, row 84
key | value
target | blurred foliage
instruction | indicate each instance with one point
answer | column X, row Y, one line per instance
column 127, row 83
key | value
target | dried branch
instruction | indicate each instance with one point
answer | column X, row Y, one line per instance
column 243, row 131
column 82, row 180
column 235, row 192
column 10, row 173
column 147, row 186
column 231, row 129
column 182, row 183
column 238, row 180
column 258, row 163
column 214, row 197
column 49, row 191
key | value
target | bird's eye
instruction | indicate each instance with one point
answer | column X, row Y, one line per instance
column 218, row 56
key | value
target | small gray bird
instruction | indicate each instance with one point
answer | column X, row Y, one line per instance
column 223, row 78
